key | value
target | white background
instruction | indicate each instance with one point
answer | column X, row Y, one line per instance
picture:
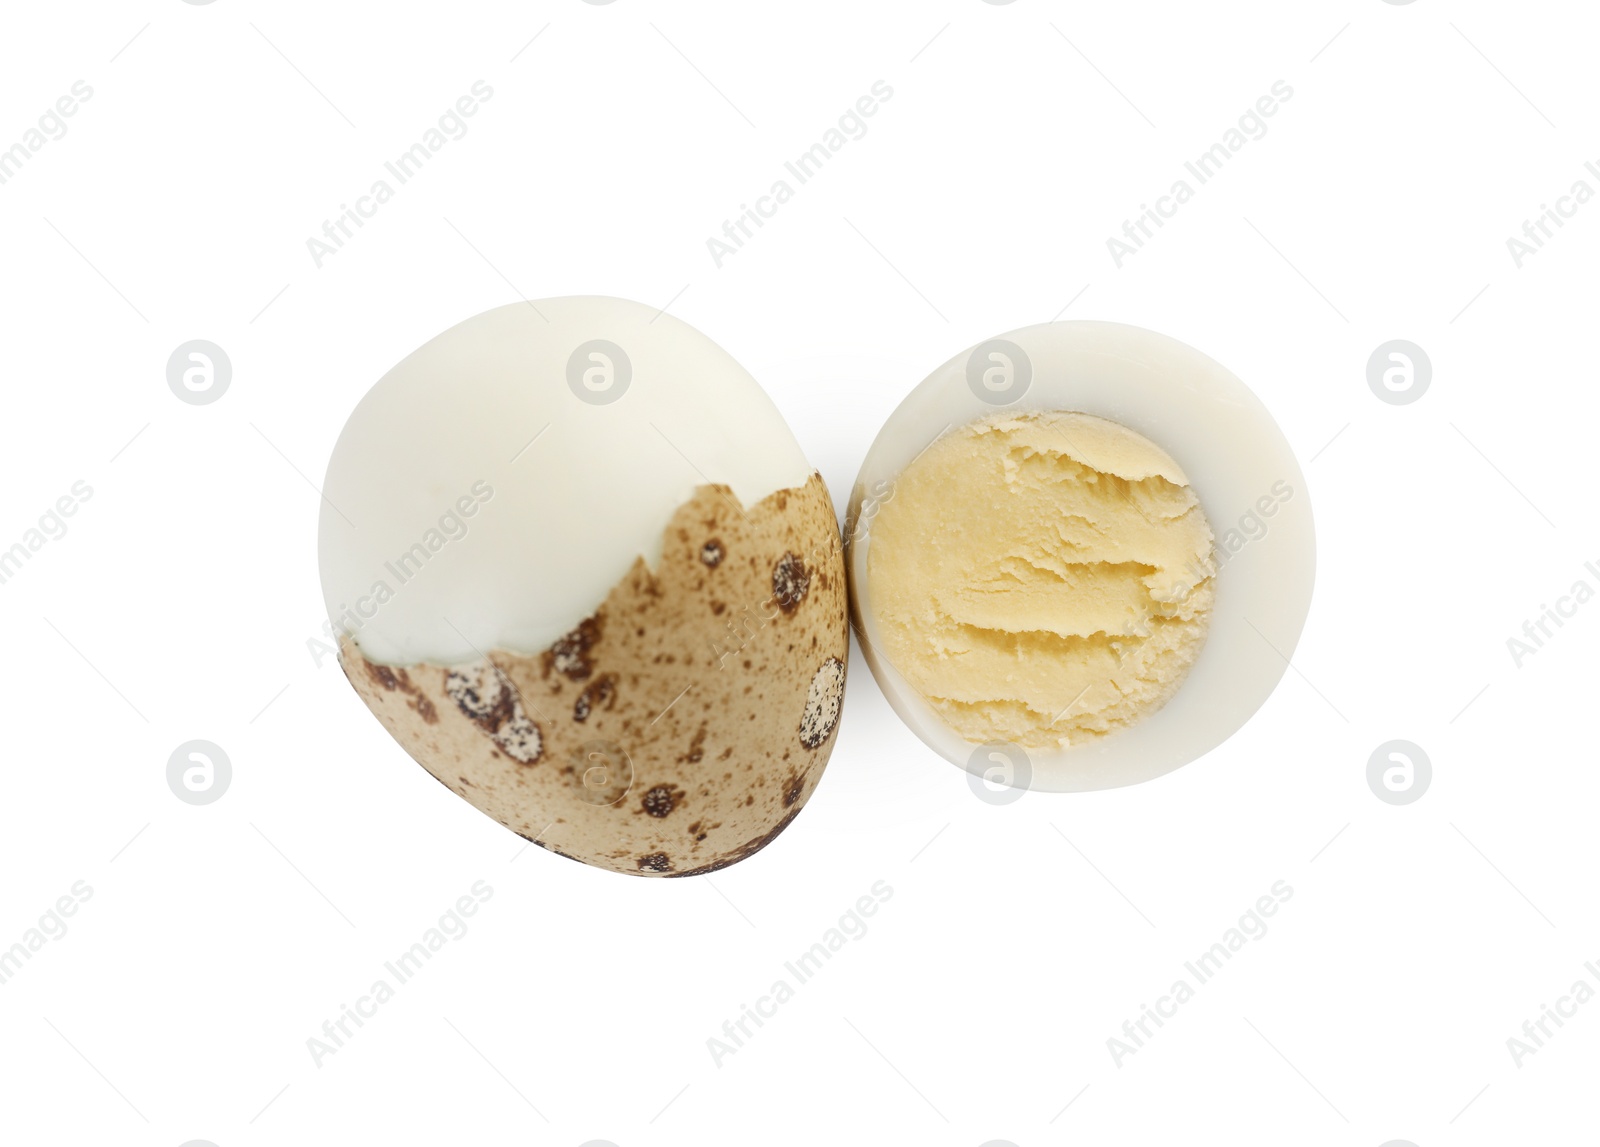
column 1019, row 938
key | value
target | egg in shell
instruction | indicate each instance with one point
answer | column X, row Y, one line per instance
column 584, row 575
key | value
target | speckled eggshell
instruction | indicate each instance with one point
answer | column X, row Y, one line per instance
column 677, row 730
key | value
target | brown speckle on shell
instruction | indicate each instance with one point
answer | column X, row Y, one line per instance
column 790, row 582
column 479, row 691
column 393, row 680
column 599, row 693
column 823, row 700
column 697, row 748
column 655, row 862
column 521, row 739
column 660, row 801
column 484, row 693
column 569, row 655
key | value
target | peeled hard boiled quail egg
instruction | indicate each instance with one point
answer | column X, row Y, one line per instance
column 583, row 573
column 1080, row 556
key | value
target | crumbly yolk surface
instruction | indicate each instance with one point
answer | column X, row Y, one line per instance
column 1042, row 578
